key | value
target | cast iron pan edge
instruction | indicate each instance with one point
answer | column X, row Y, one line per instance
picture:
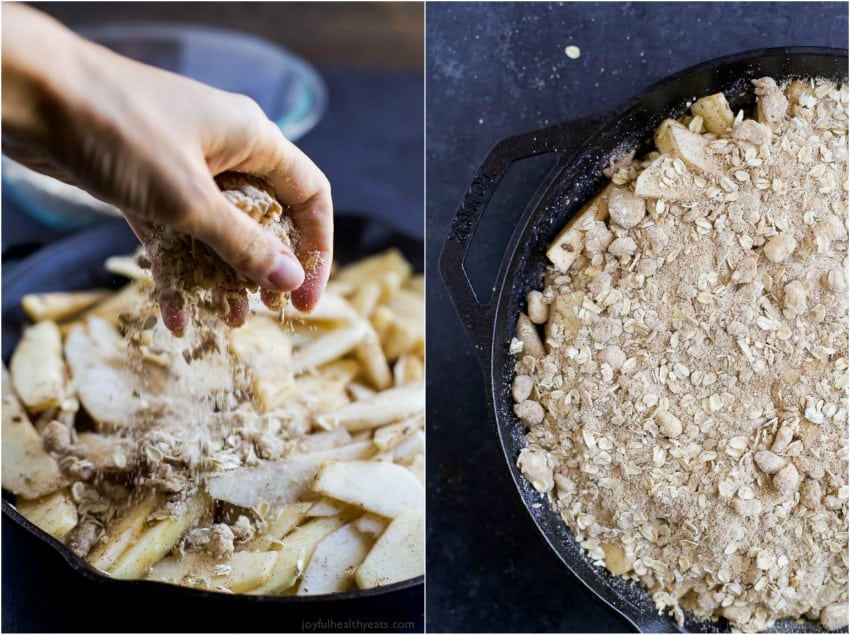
column 576, row 177
column 76, row 263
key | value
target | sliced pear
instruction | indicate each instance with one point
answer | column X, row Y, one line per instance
column 673, row 138
column 128, row 267
column 328, row 347
column 334, row 561
column 389, row 268
column 407, row 332
column 399, row 554
column 266, row 350
column 121, row 533
column 129, row 298
column 373, row 361
column 27, row 470
column 280, row 482
column 569, row 244
column 416, row 283
column 384, row 488
column 385, row 407
column 107, row 389
column 326, row 507
column 716, row 113
column 295, row 553
column 527, row 333
column 60, row 305
column 38, row 372
column 55, row 514
column 371, row 524
column 389, row 436
column 365, row 298
column 242, row 572
column 281, row 523
column 408, row 368
column 332, row 309
column 654, row 182
column 410, row 447
column 326, row 388
column 156, row 541
column 325, row 440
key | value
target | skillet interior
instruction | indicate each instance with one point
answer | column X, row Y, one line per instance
column 576, row 178
column 76, row 263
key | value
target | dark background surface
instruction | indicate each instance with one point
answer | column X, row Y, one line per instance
column 493, row 71
column 370, row 144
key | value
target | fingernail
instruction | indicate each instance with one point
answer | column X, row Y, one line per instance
column 287, row 273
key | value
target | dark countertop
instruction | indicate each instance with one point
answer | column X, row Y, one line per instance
column 493, row 71
column 370, row 145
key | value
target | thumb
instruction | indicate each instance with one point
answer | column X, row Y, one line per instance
column 245, row 245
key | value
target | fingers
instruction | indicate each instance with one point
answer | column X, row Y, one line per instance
column 298, row 183
column 174, row 315
column 272, row 299
column 314, row 249
column 175, row 319
column 236, row 309
column 301, row 185
column 242, row 243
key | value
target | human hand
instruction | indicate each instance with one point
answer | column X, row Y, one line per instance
column 150, row 142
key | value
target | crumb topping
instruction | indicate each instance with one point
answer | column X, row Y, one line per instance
column 688, row 414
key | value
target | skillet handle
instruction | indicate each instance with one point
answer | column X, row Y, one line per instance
column 562, row 140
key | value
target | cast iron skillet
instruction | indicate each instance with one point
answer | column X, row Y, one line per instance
column 76, row 263
column 575, row 178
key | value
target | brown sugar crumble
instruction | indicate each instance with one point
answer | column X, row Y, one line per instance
column 686, row 408
column 201, row 281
